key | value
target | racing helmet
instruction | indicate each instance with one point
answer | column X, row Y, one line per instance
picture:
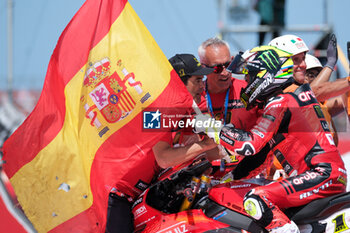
column 264, row 65
column 239, row 63
column 312, row 62
column 290, row 43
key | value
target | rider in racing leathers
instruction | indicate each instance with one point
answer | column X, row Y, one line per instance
column 298, row 134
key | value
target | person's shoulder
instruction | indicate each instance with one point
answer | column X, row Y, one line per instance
column 278, row 100
column 237, row 81
column 203, row 103
column 203, row 99
column 291, row 88
column 238, row 84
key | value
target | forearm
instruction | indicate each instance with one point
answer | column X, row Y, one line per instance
column 213, row 154
column 328, row 90
column 166, row 156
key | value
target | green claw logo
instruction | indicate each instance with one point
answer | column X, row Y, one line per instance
column 270, row 59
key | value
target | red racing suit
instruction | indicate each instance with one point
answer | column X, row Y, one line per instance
column 295, row 128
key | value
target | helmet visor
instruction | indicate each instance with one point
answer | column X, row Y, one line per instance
column 238, row 65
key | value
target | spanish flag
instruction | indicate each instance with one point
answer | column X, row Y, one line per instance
column 348, row 104
column 86, row 132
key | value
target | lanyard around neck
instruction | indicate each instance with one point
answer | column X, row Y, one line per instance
column 210, row 105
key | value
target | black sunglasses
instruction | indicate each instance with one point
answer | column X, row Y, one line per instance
column 218, row 68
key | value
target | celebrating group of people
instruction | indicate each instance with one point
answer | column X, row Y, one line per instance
column 280, row 115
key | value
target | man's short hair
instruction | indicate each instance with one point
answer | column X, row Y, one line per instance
column 214, row 41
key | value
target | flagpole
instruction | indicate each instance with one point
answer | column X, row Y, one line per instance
column 10, row 49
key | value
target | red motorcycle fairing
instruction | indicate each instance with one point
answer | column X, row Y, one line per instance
column 153, row 211
column 220, row 209
column 231, row 194
column 150, row 220
column 171, row 170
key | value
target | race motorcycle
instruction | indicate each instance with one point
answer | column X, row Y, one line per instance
column 183, row 201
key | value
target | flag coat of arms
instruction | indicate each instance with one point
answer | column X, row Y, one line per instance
column 85, row 134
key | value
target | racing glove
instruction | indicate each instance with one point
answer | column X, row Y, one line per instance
column 209, row 126
column 332, row 52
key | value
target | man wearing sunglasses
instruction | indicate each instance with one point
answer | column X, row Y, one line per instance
column 222, row 91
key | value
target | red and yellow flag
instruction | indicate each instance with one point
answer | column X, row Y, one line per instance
column 85, row 134
column 348, row 103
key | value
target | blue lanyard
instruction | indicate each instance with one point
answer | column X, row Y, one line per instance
column 210, row 105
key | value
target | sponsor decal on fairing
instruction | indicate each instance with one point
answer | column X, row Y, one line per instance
column 240, row 186
column 140, row 211
column 340, row 222
column 180, row 227
column 138, row 201
column 146, row 221
column 220, row 215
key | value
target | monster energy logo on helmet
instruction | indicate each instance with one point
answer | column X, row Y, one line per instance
column 270, row 60
column 263, row 66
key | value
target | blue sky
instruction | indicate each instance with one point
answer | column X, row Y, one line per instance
column 177, row 26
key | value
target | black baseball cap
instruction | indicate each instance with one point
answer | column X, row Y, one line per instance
column 188, row 65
